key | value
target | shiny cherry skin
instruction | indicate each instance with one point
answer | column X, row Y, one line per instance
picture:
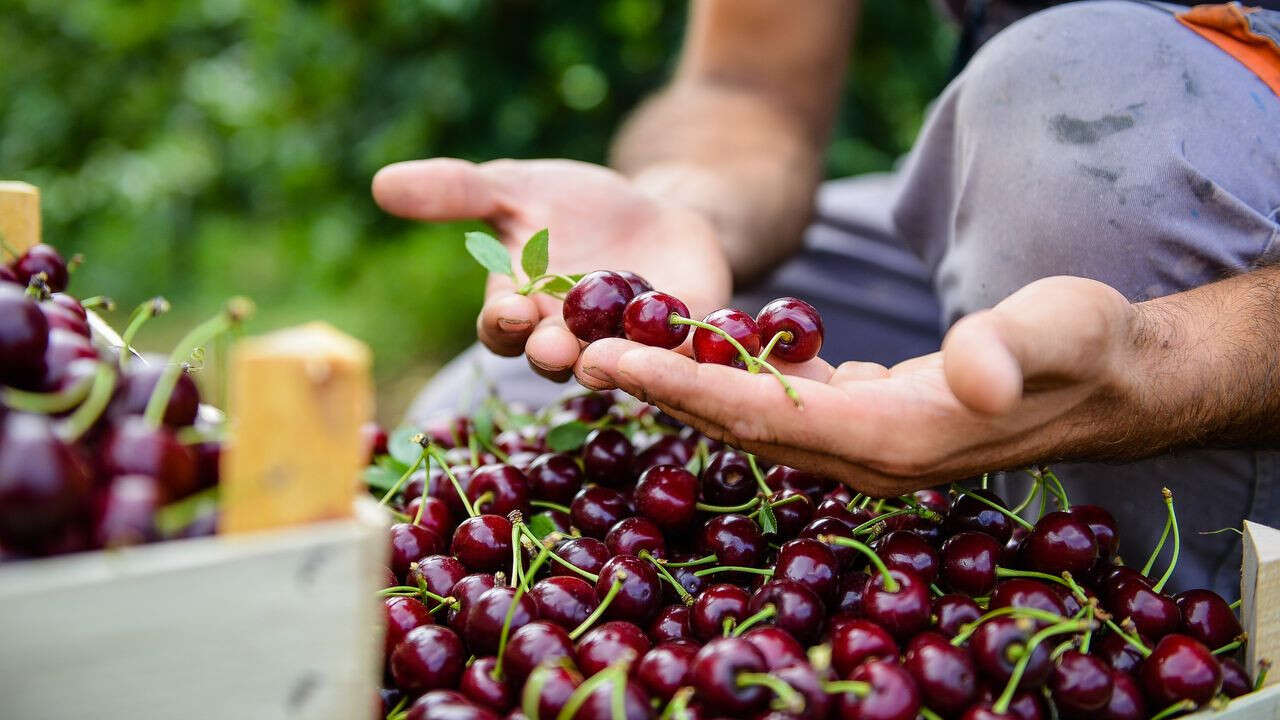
column 1011, row 553
column 849, row 558
column 928, row 530
column 556, row 684
column 893, row 694
column 432, row 514
column 793, row 510
column 1180, row 667
column 801, row 323
column 536, row 643
column 595, row 509
column 691, row 583
column 797, row 609
column 857, row 641
column 409, row 544
column 969, row 513
column 715, row 673
column 428, row 658
column 437, row 705
column 60, row 317
column 727, row 479
column 907, row 551
column 585, row 553
column 1207, row 617
column 1235, row 681
column 1102, row 524
column 812, row 564
column 992, row 646
column 134, row 391
column 713, row 606
column 1117, row 653
column 781, row 477
column 1024, row 592
column 1153, row 613
column 778, row 647
column 506, row 487
column 483, row 625
column 607, row 457
column 599, row 704
column 402, row 615
column 44, row 485
column 565, row 600
column 1080, row 683
column 42, row 258
column 1126, row 701
column 666, row 668
column 483, row 542
column 614, row 641
column 640, row 594
column 902, row 612
column 62, row 356
column 944, row 673
column 125, row 511
column 984, row 711
column 593, row 307
column 466, row 592
column 24, row 336
column 969, row 561
column 646, row 320
column 953, row 612
column 838, row 508
column 666, row 450
column 133, row 447
column 438, row 572
column 630, row 536
column 667, row 496
column 734, row 540
column 637, row 284
column 671, row 624
column 709, row 347
column 480, row 687
column 1060, row 542
column 7, row 275
column 1029, row 705
column 1114, row 576
column 554, row 477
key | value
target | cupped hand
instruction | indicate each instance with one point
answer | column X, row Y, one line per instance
column 1045, row 375
column 598, row 220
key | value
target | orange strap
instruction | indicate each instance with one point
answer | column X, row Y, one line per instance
column 1227, row 26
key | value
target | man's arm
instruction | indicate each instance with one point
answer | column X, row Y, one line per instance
column 738, row 134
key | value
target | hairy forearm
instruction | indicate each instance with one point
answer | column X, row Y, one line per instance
column 1206, row 369
column 749, row 168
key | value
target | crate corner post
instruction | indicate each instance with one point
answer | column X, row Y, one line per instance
column 1260, row 590
column 19, row 216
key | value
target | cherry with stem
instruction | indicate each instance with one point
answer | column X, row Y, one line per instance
column 754, row 365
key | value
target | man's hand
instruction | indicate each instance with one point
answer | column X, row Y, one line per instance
column 598, row 221
column 1046, row 374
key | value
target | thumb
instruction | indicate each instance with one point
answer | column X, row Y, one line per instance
column 436, row 189
column 1053, row 332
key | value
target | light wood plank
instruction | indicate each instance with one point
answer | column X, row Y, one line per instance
column 1260, row 590
column 19, row 215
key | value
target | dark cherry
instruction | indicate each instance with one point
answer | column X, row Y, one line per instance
column 402, row 615
column 667, row 495
column 687, row 578
column 133, row 447
column 1070, row 604
column 798, row 610
column 24, row 336
column 812, row 564
column 908, row 551
column 1154, row 613
column 1180, row 668
column 903, row 612
column 666, row 450
column 646, row 320
column 125, row 511
column 61, row 318
column 893, row 694
column 713, row 606
column 65, row 350
column 409, row 544
column 849, row 558
column 42, row 258
column 448, row 708
column 672, row 623
column 607, row 457
column 793, row 510
column 480, row 687
column 429, row 657
column 665, row 668
column 599, row 704
column 554, row 477
column 1126, row 701
column 1117, row 653
column 466, row 592
column 1110, row 579
column 944, row 673
column 527, row 439
column 1060, row 542
column 588, row 407
column 801, row 323
column 44, row 485
column 597, row 508
column 984, row 711
column 637, row 284
column 557, row 684
column 483, row 542
column 7, row 275
column 640, row 594
column 954, row 611
column 781, row 477
column 1102, row 524
column 533, row 644
column 805, row 680
column 629, row 536
column 734, row 540
column 968, row 513
column 615, row 641
column 1235, row 681
column 1029, row 705
column 1011, row 553
column 969, row 561
column 1080, row 683
column 778, row 647
column 857, row 641
column 1207, row 617
column 593, row 307
column 727, row 479
column 374, row 435
column 715, row 673
column 565, row 600
column 586, row 554
column 838, row 508
column 506, row 486
column 440, row 573
column 1024, row 592
column 483, row 626
column 559, row 521
column 135, row 388
column 993, row 646
column 442, row 488
column 852, row 587
column 928, row 530
column 934, row 499
column 432, row 514
column 709, row 347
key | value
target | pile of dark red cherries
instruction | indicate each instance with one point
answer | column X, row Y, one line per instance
column 80, row 465
column 650, row 572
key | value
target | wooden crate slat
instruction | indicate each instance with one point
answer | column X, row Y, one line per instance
column 1260, row 590
column 19, row 215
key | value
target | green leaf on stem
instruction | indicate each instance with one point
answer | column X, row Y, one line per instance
column 569, row 436
column 380, row 478
column 768, row 521
column 536, row 255
column 490, row 253
column 541, row 526
column 400, row 445
column 556, row 285
column 482, row 425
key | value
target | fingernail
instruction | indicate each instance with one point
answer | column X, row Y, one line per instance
column 598, row 373
column 509, row 325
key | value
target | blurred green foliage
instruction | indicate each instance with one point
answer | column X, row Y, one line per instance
column 202, row 148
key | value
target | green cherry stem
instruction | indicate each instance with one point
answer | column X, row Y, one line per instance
column 1177, row 708
column 78, row 423
column 733, row 568
column 404, row 477
column 521, row 588
column 780, row 336
column 1164, row 535
column 838, row 687
column 550, row 506
column 1127, row 637
column 759, row 476
column 1177, row 540
column 728, row 508
column 589, row 576
column 1012, row 516
column 1010, row 572
column 426, row 487
column 890, row 584
column 1002, row 704
column 678, row 708
column 1231, row 646
column 766, row 613
column 532, row 691
column 148, row 309
column 236, row 311
column 579, row 696
column 969, row 628
column 704, row 560
column 1058, row 489
column 457, row 486
column 1264, row 667
column 98, row 302
column 596, row 614
column 685, row 597
column 1031, row 495
column 928, row 714
column 777, row 503
column 46, row 403
column 786, row 697
column 753, row 364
